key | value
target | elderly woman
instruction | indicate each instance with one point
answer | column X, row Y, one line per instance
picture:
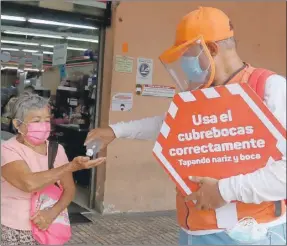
column 24, row 170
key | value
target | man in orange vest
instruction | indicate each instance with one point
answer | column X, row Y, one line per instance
column 204, row 54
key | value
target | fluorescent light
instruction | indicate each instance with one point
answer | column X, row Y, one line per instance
column 48, row 52
column 12, row 18
column 25, row 69
column 83, row 39
column 34, row 34
column 11, row 68
column 31, row 51
column 18, row 42
column 31, row 69
column 69, row 48
column 75, row 48
column 10, row 49
column 47, row 45
column 56, row 23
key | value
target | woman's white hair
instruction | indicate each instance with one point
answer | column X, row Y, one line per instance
column 27, row 102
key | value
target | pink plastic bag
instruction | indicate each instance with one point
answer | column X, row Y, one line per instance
column 59, row 231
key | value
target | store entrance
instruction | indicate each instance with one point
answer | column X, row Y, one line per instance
column 37, row 41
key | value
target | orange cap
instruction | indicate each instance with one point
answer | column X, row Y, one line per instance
column 209, row 23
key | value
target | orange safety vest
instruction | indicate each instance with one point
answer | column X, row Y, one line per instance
column 192, row 219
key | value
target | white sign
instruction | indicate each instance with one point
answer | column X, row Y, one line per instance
column 144, row 71
column 155, row 90
column 5, row 56
column 122, row 102
column 60, row 54
column 37, row 61
column 73, row 101
column 124, row 64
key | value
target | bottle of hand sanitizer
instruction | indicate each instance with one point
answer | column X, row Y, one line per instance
column 93, row 148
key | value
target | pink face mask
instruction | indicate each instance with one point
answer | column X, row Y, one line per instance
column 38, row 132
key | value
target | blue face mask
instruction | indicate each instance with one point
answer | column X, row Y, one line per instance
column 247, row 231
column 191, row 67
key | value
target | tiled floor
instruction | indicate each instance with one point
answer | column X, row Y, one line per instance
column 159, row 228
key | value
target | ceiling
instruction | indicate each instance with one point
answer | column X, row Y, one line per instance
column 39, row 32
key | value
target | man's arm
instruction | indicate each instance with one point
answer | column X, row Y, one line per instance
column 144, row 129
column 268, row 183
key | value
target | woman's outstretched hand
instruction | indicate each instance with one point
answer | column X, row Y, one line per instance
column 82, row 162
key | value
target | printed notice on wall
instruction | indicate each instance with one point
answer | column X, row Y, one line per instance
column 144, row 71
column 122, row 102
column 124, row 64
column 205, row 133
column 155, row 90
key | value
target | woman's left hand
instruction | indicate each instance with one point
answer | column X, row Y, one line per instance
column 43, row 219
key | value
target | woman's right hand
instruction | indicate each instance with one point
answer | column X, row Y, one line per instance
column 82, row 162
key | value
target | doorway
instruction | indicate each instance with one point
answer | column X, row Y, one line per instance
column 74, row 87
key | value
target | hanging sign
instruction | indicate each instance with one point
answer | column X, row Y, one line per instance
column 5, row 56
column 37, row 61
column 218, row 132
column 60, row 54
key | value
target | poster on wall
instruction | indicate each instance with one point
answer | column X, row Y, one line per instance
column 122, row 102
column 124, row 64
column 155, row 90
column 144, row 71
column 60, row 54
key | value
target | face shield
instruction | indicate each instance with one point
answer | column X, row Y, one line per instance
column 190, row 65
